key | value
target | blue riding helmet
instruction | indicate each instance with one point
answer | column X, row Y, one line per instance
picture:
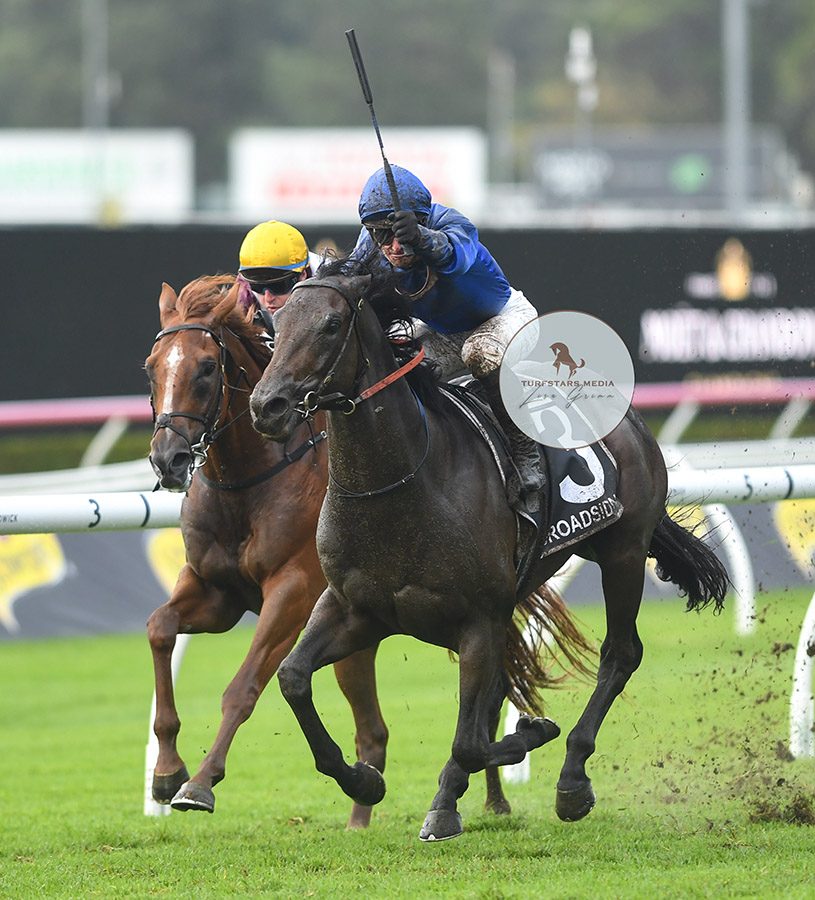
column 376, row 203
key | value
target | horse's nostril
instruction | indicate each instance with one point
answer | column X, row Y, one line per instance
column 180, row 462
column 275, row 407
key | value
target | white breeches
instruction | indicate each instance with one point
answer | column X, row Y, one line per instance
column 482, row 349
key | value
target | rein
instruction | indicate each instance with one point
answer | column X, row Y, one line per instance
column 288, row 459
column 314, row 400
column 346, row 492
column 335, row 401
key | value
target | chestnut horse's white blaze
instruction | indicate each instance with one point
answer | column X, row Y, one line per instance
column 175, row 360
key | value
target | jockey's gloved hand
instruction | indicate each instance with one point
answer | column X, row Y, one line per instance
column 406, row 228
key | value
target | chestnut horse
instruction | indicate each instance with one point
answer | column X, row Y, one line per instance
column 416, row 537
column 248, row 524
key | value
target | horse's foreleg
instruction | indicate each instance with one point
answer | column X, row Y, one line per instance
column 189, row 610
column 356, row 677
column 620, row 656
column 170, row 772
column 443, row 820
column 286, row 606
column 333, row 632
column 482, row 689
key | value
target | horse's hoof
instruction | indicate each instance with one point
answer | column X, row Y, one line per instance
column 165, row 787
column 194, row 796
column 574, row 805
column 369, row 787
column 441, row 825
column 498, row 807
column 537, row 731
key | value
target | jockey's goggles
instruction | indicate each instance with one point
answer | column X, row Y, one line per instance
column 381, row 235
column 276, row 286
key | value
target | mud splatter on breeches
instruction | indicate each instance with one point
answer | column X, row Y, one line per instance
column 482, row 349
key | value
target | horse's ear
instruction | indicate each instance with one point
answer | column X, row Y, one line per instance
column 359, row 285
column 167, row 301
column 224, row 307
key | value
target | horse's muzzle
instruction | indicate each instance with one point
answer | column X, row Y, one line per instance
column 272, row 416
column 174, row 472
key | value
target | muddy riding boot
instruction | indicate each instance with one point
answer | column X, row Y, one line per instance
column 525, row 451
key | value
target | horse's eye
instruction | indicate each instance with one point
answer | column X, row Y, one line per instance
column 208, row 368
column 332, row 325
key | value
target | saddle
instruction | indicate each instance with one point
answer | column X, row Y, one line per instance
column 580, row 489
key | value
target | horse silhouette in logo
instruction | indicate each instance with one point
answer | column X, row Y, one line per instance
column 564, row 358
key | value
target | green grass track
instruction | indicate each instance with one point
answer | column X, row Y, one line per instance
column 696, row 795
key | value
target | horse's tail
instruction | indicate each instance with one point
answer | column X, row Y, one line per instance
column 542, row 622
column 688, row 562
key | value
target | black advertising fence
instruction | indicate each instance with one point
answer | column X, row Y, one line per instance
column 686, row 303
column 80, row 314
column 80, row 305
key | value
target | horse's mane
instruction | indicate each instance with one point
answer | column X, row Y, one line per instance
column 198, row 298
column 394, row 313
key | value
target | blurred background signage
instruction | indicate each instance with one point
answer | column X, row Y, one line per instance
column 88, row 176
column 664, row 168
column 317, row 174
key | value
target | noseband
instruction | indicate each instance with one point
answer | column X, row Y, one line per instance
column 213, row 414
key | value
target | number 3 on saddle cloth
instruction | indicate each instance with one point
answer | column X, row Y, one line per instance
column 582, row 483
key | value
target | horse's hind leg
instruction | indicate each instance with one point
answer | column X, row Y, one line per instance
column 333, row 633
column 496, row 800
column 191, row 609
column 620, row 656
column 356, row 677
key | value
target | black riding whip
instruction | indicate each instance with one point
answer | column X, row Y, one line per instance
column 369, row 99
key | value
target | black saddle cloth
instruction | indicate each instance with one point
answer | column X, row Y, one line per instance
column 580, row 489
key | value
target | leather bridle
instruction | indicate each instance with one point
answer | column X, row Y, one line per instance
column 215, row 412
column 316, row 400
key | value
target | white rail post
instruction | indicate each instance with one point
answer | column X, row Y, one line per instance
column 678, row 421
column 103, row 441
column 792, row 414
column 802, row 702
column 741, row 565
column 735, row 547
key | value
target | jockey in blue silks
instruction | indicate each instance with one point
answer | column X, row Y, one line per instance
column 464, row 308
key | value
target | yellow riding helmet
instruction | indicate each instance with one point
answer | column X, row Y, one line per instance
column 274, row 245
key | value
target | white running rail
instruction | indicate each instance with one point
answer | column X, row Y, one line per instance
column 104, row 511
